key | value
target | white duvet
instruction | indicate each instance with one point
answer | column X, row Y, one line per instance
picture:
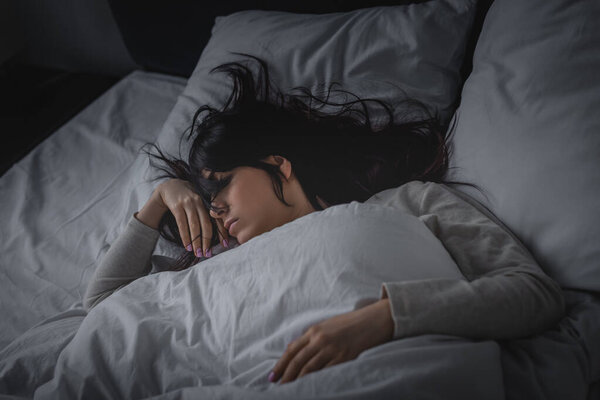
column 217, row 329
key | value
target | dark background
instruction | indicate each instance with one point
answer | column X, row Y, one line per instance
column 57, row 56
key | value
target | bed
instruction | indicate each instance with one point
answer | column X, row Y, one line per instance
column 521, row 103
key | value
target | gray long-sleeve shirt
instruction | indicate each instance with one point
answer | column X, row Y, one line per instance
column 506, row 294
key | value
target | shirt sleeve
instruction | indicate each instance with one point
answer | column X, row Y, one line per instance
column 505, row 295
column 127, row 259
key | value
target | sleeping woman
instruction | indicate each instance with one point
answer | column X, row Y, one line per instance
column 266, row 159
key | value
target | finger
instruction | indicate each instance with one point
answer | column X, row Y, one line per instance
column 316, row 363
column 298, row 362
column 334, row 361
column 288, row 355
column 223, row 234
column 182, row 226
column 207, row 227
column 196, row 230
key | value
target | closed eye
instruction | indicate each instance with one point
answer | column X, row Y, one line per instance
column 214, row 187
column 222, row 183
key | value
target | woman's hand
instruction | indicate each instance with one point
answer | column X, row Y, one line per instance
column 193, row 221
column 336, row 340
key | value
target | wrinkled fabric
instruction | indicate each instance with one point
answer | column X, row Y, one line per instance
column 227, row 320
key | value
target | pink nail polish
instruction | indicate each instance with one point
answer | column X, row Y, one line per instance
column 188, row 247
column 199, row 253
column 209, row 253
column 225, row 243
column 271, row 376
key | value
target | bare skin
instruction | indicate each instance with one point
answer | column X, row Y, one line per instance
column 336, row 340
column 250, row 198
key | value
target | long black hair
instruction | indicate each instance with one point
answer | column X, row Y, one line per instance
column 338, row 156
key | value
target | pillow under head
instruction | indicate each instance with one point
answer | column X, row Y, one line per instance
column 391, row 53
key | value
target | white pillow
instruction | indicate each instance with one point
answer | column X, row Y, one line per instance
column 374, row 52
column 528, row 131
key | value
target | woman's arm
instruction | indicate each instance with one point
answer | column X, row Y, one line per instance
column 129, row 256
column 335, row 340
column 506, row 294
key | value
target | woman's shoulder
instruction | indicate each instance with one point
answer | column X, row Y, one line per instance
column 407, row 191
column 416, row 197
column 406, row 197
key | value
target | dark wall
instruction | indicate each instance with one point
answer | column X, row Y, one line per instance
column 114, row 37
column 168, row 36
column 70, row 35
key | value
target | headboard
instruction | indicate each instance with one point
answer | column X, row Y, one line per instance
column 169, row 36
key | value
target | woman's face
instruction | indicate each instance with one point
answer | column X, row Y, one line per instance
column 250, row 199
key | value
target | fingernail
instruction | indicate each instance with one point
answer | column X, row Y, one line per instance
column 188, row 247
column 271, row 376
column 209, row 253
column 199, row 253
column 225, row 243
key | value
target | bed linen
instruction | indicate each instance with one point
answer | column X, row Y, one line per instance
column 527, row 131
column 54, row 203
column 526, row 134
column 391, row 53
column 221, row 325
column 226, row 321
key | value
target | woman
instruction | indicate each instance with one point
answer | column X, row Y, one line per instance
column 266, row 158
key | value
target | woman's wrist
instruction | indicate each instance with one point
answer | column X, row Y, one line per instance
column 385, row 317
column 152, row 212
column 380, row 322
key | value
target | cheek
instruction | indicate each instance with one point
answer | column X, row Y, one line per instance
column 253, row 194
column 255, row 202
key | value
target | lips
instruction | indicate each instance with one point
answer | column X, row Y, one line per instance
column 230, row 222
column 232, row 227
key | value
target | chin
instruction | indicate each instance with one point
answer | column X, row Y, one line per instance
column 243, row 237
column 238, row 239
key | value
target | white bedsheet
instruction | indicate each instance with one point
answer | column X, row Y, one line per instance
column 63, row 203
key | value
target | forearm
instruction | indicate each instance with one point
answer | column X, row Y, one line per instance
column 505, row 294
column 504, row 306
column 378, row 317
column 152, row 212
column 127, row 259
